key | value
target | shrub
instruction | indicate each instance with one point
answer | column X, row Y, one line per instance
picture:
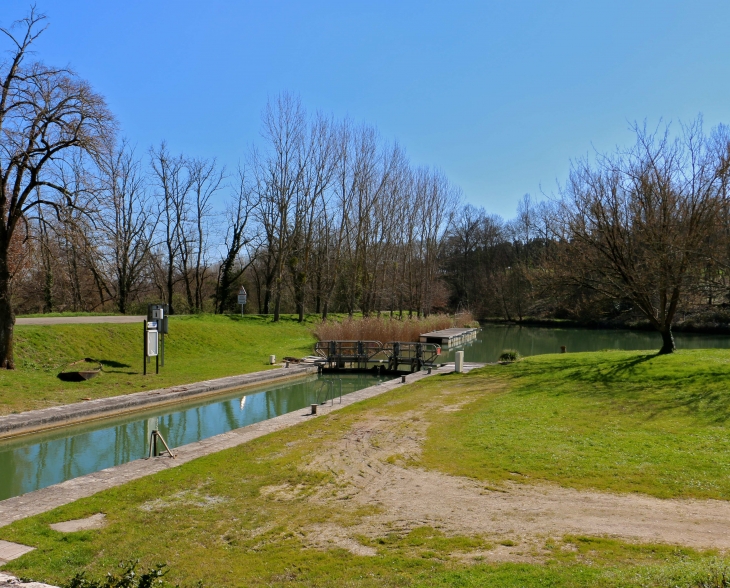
column 385, row 328
column 715, row 579
column 129, row 578
column 509, row 355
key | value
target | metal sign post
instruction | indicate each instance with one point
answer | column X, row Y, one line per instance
column 151, row 340
column 159, row 314
column 242, row 296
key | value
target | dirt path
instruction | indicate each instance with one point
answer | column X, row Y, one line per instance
column 79, row 320
column 368, row 465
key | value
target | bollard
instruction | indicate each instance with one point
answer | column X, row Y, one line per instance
column 563, row 349
column 314, row 409
column 403, row 379
column 286, row 364
column 429, row 371
column 459, row 362
column 272, row 359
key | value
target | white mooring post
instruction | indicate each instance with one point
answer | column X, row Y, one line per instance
column 459, row 362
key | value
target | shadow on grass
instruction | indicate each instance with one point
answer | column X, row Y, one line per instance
column 113, row 364
column 284, row 319
column 642, row 383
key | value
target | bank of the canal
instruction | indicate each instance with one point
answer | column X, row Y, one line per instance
column 35, row 461
column 491, row 340
column 50, row 497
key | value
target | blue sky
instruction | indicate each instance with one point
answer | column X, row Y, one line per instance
column 499, row 95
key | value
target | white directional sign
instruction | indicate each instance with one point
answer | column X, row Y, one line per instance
column 242, row 296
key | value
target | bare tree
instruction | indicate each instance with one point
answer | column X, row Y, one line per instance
column 206, row 180
column 125, row 220
column 279, row 171
column 45, row 113
column 640, row 221
column 237, row 237
column 316, row 176
column 174, row 181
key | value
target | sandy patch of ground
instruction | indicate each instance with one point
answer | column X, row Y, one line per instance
column 95, row 521
column 369, row 468
column 182, row 499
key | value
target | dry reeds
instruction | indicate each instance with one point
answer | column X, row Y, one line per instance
column 385, row 329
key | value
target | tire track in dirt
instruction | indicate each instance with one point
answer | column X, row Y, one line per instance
column 369, row 468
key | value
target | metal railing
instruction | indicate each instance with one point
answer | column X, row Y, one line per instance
column 414, row 356
column 353, row 354
column 394, row 356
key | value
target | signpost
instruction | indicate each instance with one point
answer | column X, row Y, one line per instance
column 158, row 313
column 155, row 329
column 242, row 296
column 150, row 346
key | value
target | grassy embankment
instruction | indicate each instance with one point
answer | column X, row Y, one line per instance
column 198, row 347
column 620, row 421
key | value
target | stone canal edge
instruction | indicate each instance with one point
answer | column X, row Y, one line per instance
column 35, row 421
column 46, row 499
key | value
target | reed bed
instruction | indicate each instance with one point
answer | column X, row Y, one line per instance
column 385, row 328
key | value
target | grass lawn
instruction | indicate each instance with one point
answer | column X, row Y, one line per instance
column 198, row 347
column 620, row 421
column 617, row 420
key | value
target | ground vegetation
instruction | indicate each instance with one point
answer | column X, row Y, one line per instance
column 198, row 347
column 389, row 328
column 572, row 451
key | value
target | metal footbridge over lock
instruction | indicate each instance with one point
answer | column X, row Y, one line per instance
column 394, row 356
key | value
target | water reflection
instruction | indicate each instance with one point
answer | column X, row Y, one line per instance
column 34, row 462
column 492, row 340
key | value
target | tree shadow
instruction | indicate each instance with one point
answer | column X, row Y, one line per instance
column 699, row 390
column 113, row 364
column 248, row 317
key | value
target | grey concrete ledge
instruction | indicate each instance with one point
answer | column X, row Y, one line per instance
column 45, row 499
column 9, row 581
column 69, row 414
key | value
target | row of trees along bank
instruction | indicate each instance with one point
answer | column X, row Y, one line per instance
column 642, row 232
column 324, row 216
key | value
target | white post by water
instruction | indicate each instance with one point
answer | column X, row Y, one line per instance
column 459, row 362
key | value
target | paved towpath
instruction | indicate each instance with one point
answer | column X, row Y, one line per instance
column 79, row 320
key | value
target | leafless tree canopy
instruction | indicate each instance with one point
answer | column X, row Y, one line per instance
column 324, row 215
column 642, row 221
column 47, row 116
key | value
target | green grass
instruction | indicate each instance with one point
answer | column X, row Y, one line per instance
column 630, row 414
column 621, row 421
column 198, row 347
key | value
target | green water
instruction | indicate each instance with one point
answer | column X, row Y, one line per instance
column 494, row 339
column 32, row 462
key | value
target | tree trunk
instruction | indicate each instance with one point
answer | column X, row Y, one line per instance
column 277, row 306
column 667, row 341
column 7, row 322
column 170, row 286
